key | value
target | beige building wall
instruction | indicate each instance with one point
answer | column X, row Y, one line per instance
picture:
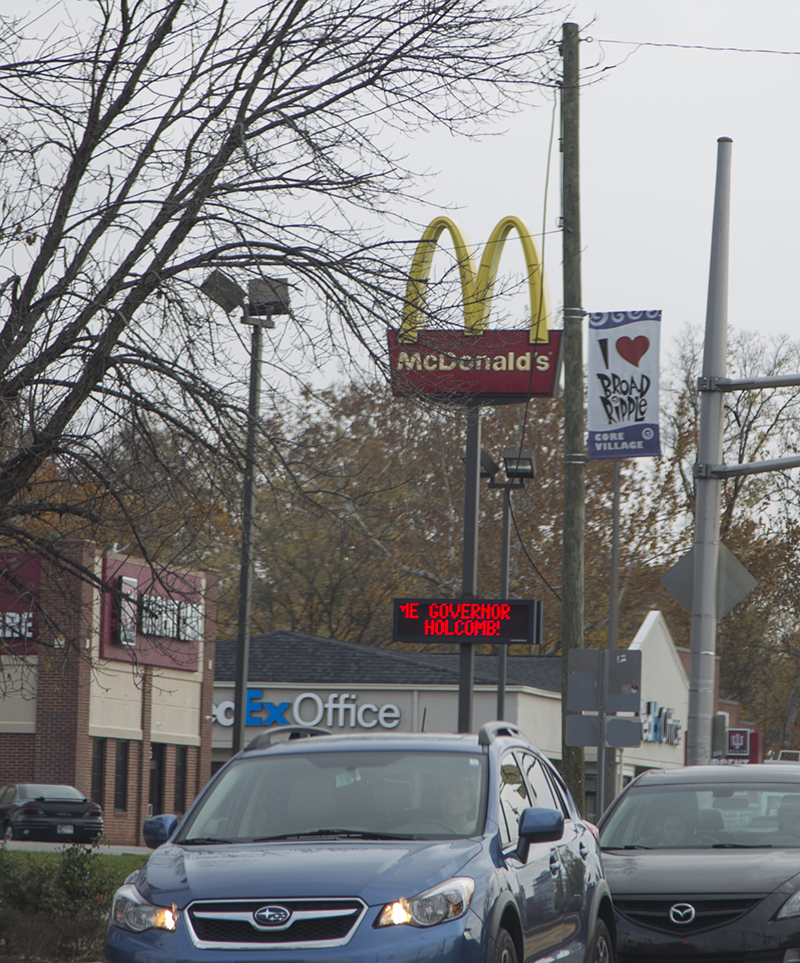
column 177, row 706
column 115, row 707
column 18, row 704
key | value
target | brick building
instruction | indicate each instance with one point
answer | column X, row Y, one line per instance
column 107, row 681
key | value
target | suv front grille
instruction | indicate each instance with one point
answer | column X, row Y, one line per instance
column 232, row 924
column 654, row 912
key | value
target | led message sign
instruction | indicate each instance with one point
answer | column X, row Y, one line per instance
column 506, row 621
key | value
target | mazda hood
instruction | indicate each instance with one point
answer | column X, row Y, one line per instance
column 683, row 872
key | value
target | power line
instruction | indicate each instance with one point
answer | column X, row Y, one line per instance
column 686, row 46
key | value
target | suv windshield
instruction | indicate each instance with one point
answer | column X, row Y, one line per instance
column 710, row 816
column 392, row 793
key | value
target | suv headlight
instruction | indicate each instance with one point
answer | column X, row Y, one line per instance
column 447, row 901
column 131, row 911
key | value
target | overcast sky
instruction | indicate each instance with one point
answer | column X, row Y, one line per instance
column 664, row 79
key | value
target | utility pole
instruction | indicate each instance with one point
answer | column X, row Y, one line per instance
column 572, row 588
column 708, row 486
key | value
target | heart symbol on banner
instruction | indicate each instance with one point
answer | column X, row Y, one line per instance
column 633, row 349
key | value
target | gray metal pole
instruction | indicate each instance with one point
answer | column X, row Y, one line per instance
column 246, row 569
column 502, row 650
column 572, row 593
column 606, row 761
column 709, row 452
column 469, row 580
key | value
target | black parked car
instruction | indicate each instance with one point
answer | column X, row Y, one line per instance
column 704, row 865
column 48, row 813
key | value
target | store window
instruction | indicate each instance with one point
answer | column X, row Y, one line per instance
column 121, row 776
column 98, row 771
column 181, row 760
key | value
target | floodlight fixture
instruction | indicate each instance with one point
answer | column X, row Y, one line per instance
column 489, row 467
column 268, row 296
column 519, row 464
column 223, row 291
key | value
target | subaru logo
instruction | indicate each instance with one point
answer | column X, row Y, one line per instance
column 272, row 916
column 682, row 913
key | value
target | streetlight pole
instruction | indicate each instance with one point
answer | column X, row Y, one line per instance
column 266, row 299
column 248, row 518
column 519, row 465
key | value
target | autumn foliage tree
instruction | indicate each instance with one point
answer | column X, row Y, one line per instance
column 369, row 507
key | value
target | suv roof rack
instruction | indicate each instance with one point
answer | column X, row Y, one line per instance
column 494, row 730
column 285, row 734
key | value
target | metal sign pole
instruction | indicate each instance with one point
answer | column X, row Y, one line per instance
column 469, row 582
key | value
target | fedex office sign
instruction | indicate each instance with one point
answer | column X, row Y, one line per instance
column 335, row 709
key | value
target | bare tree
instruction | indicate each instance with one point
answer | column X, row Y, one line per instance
column 144, row 143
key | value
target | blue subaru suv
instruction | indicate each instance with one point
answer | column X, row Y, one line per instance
column 308, row 847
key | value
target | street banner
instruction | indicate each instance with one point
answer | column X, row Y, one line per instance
column 623, row 361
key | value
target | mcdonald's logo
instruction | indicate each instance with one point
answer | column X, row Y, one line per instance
column 477, row 364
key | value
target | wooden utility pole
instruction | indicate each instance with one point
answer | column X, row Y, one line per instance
column 572, row 588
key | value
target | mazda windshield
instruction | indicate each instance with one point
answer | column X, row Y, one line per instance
column 710, row 816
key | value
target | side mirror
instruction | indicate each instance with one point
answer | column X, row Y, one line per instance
column 539, row 826
column 158, row 829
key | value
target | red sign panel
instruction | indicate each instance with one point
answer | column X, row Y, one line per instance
column 151, row 620
column 738, row 742
column 20, row 580
column 495, row 367
column 508, row 621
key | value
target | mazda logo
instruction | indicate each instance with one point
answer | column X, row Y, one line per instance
column 682, row 913
column 272, row 916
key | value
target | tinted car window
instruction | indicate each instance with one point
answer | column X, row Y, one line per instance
column 513, row 799
column 542, row 792
column 440, row 794
column 37, row 791
column 668, row 817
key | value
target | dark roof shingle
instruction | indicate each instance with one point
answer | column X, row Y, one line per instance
column 297, row 658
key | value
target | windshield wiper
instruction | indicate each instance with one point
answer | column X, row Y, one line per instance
column 202, row 841
column 629, row 846
column 349, row 833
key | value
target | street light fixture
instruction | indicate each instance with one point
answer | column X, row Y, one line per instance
column 519, row 466
column 266, row 299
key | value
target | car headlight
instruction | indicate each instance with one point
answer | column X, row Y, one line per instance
column 131, row 911
column 447, row 901
column 790, row 908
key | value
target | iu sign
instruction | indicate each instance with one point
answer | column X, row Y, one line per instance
column 475, row 365
column 504, row 621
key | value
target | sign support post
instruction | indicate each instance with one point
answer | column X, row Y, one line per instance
column 469, row 581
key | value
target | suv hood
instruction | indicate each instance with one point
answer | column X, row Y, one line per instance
column 378, row 872
column 693, row 871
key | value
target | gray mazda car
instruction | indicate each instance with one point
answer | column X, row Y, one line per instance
column 704, row 865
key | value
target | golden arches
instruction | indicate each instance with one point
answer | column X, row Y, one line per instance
column 477, row 287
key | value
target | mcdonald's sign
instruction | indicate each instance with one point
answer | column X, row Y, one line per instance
column 475, row 365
